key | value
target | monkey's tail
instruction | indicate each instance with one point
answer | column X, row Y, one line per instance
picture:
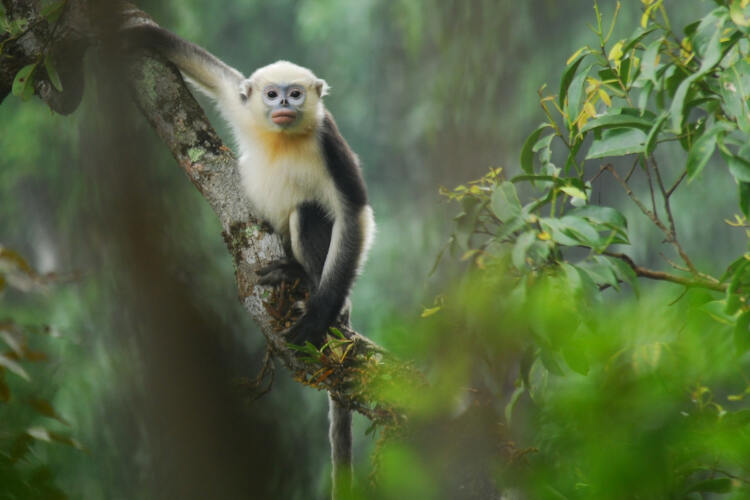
column 340, row 435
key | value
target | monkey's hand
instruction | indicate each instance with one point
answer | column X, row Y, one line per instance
column 282, row 270
column 309, row 328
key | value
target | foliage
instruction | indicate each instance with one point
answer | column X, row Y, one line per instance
column 23, row 83
column 632, row 400
column 578, row 393
column 23, row 475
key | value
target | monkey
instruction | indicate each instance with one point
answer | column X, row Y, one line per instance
column 301, row 177
column 296, row 169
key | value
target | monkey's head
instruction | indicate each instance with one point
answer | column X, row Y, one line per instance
column 284, row 97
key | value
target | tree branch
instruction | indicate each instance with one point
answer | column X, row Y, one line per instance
column 61, row 44
column 662, row 276
column 672, row 235
column 354, row 369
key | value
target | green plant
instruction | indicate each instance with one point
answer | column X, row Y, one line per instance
column 22, row 474
column 654, row 382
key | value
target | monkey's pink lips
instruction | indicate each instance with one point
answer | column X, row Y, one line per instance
column 283, row 116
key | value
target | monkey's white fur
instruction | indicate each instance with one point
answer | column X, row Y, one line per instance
column 281, row 168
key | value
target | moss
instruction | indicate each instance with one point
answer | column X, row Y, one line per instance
column 195, row 154
column 149, row 77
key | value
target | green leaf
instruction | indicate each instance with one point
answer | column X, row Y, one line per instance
column 14, row 367
column 54, row 77
column 575, row 357
column 625, row 71
column 618, row 142
column 575, row 96
column 649, row 62
column 644, row 96
column 602, row 215
column 527, row 155
column 512, row 403
column 336, row 332
column 555, row 228
column 716, row 310
column 721, row 485
column 653, row 134
column 543, row 149
column 466, row 222
column 734, row 267
column 713, row 53
column 638, row 35
column 568, row 77
column 737, row 13
column 548, row 360
column 677, row 109
column 505, row 203
column 16, row 260
column 580, row 229
column 22, row 84
column 740, row 168
column 733, row 302
column 42, row 434
column 571, row 231
column 574, row 192
column 624, row 272
column 53, row 11
column 702, row 150
column 44, row 407
column 708, row 26
column 429, row 311
column 600, row 271
column 711, row 58
column 618, row 120
column 523, row 243
column 734, row 88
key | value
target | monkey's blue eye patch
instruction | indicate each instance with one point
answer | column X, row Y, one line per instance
column 272, row 95
column 295, row 94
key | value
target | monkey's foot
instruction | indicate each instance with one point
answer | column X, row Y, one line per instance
column 300, row 333
column 282, row 270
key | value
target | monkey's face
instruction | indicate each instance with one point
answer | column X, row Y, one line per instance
column 284, row 104
column 284, row 97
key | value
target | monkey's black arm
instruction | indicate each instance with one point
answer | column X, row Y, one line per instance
column 347, row 242
column 207, row 71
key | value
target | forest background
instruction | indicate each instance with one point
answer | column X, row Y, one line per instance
column 430, row 94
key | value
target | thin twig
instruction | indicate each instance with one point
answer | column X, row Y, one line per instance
column 676, row 184
column 632, row 169
column 650, row 186
column 680, row 296
column 598, row 174
column 648, row 213
column 672, row 235
column 662, row 276
column 268, row 367
column 674, row 264
column 732, row 476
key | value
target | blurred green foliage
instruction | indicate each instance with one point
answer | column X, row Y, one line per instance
column 616, row 395
column 545, row 381
column 27, row 416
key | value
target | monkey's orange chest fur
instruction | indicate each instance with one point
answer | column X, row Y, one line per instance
column 283, row 171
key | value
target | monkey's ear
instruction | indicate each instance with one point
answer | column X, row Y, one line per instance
column 246, row 88
column 322, row 87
